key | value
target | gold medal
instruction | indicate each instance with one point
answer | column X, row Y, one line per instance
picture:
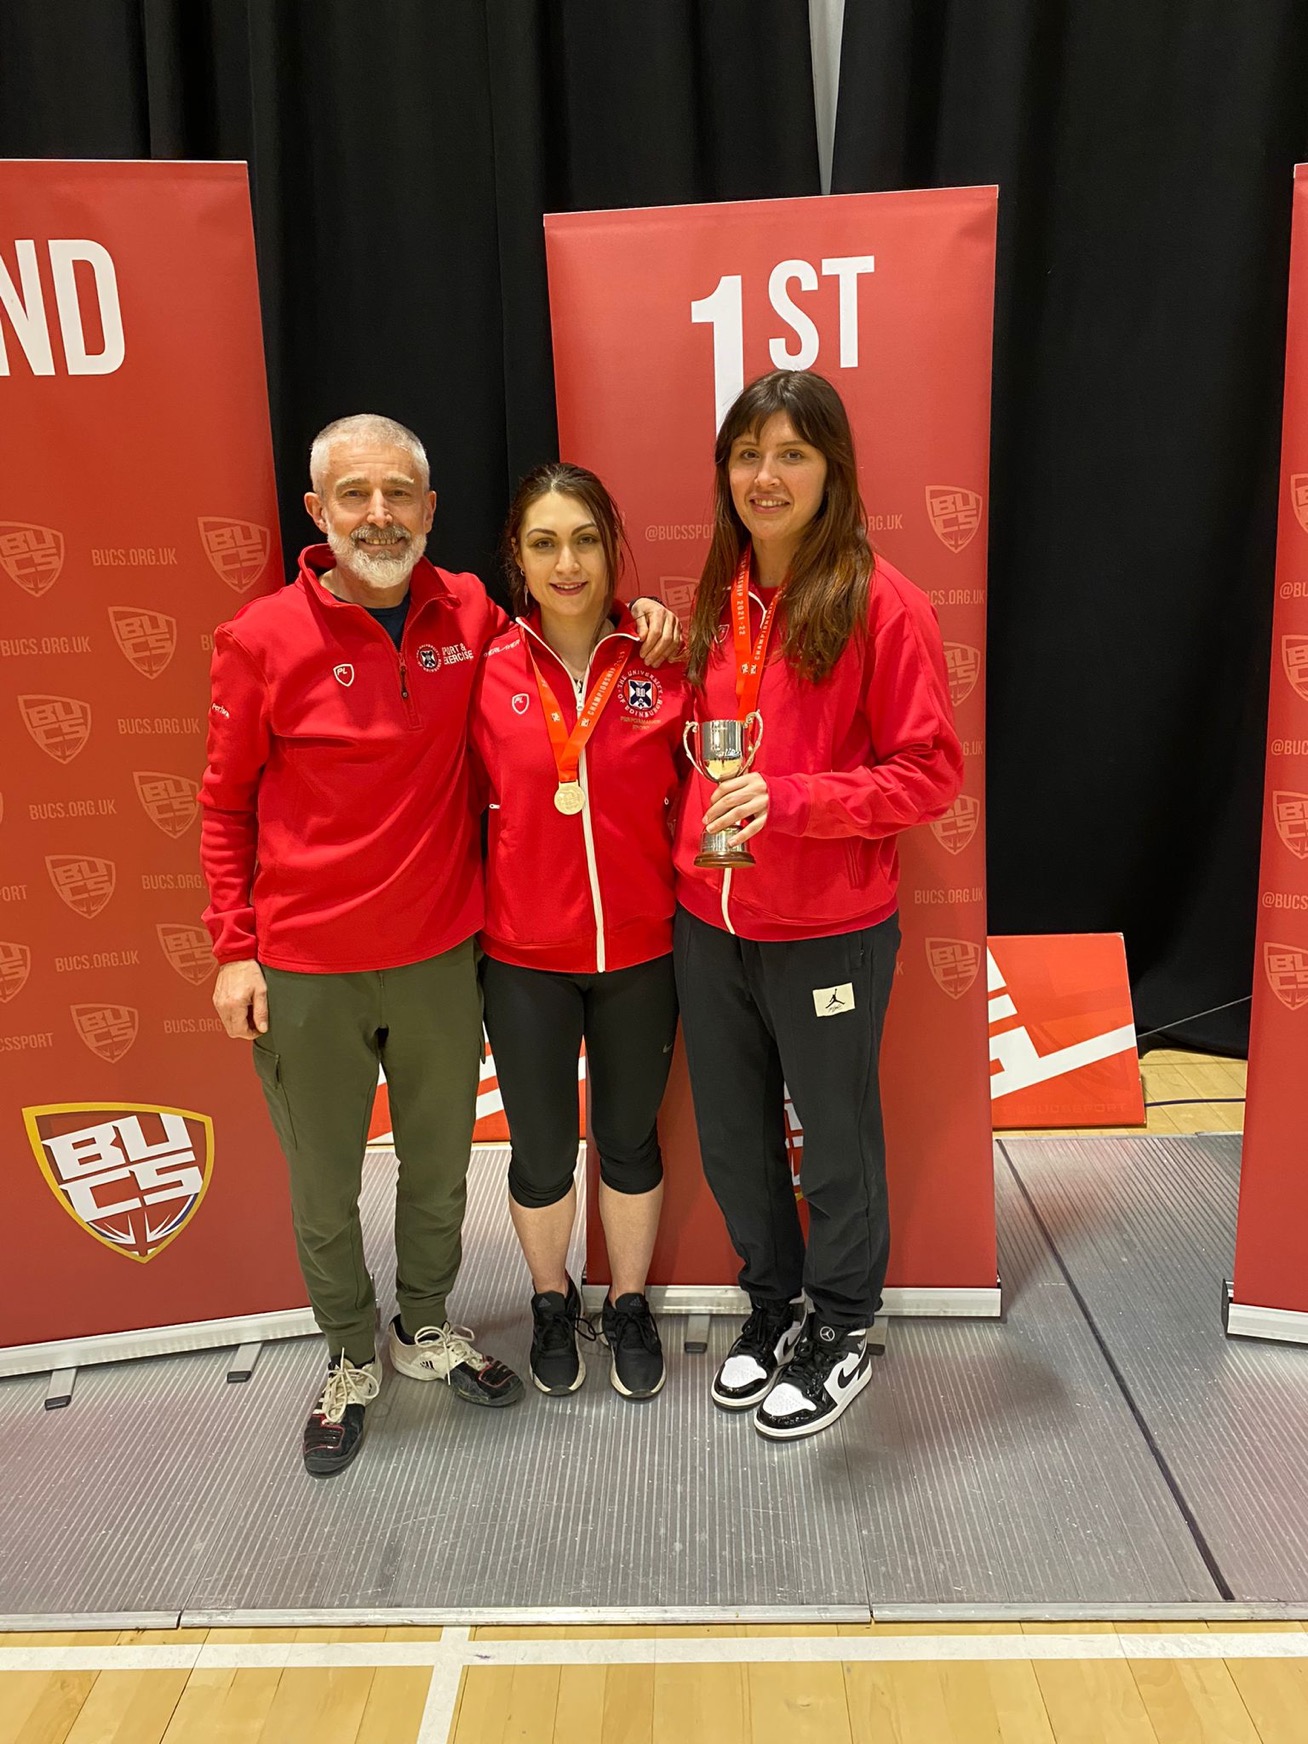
column 569, row 798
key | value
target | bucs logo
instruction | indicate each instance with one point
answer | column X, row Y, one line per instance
column 238, row 550
column 963, row 668
column 955, row 830
column 642, row 695
column 131, row 1174
column 955, row 514
column 187, row 949
column 147, row 639
column 31, row 556
column 520, row 703
column 954, row 963
column 1291, row 813
column 344, row 674
column 169, row 801
column 108, row 1030
column 1299, row 498
column 1286, row 968
column 678, row 594
column 15, row 966
column 428, row 658
column 1294, row 658
column 60, row 725
column 84, row 881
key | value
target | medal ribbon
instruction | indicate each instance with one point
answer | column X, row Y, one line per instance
column 751, row 657
column 568, row 746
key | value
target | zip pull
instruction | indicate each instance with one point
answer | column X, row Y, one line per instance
column 404, row 680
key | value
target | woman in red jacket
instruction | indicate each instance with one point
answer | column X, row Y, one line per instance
column 577, row 740
column 784, row 966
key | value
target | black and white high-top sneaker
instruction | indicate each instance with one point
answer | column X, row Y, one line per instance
column 830, row 1368
column 766, row 1340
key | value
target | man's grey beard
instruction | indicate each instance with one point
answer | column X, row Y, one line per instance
column 367, row 562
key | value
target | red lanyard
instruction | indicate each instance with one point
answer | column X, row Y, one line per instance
column 568, row 746
column 751, row 658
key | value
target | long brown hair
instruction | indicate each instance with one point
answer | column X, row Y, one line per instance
column 569, row 481
column 826, row 592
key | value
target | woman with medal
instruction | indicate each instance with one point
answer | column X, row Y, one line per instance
column 785, row 950
column 578, row 746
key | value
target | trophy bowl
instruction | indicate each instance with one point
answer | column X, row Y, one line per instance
column 725, row 748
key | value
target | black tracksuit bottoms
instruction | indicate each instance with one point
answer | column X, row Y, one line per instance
column 536, row 1020
column 807, row 1015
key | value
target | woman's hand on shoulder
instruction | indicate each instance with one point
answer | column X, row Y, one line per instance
column 660, row 633
column 740, row 804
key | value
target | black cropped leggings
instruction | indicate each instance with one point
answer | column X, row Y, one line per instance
column 536, row 1020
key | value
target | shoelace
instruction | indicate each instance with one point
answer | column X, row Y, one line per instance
column 561, row 1325
column 346, row 1385
column 760, row 1332
column 637, row 1320
column 454, row 1343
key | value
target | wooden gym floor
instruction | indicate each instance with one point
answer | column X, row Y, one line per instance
column 987, row 1683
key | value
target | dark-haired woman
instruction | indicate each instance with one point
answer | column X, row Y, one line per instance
column 784, row 967
column 577, row 739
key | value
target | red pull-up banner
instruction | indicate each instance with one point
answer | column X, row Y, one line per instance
column 660, row 317
column 144, row 1196
column 1271, row 1254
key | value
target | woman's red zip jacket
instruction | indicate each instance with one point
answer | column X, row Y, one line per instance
column 849, row 762
column 338, row 830
column 591, row 892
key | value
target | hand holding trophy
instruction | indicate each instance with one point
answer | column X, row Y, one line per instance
column 727, row 748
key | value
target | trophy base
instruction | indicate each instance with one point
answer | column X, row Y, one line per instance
column 727, row 860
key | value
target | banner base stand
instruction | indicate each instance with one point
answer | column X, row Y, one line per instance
column 74, row 1353
column 1243, row 1320
column 927, row 1302
column 60, row 1391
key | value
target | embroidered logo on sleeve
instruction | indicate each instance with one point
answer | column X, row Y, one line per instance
column 830, row 1001
column 344, row 674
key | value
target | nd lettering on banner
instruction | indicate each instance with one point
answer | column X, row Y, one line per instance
column 659, row 319
column 1269, row 1294
column 145, row 1205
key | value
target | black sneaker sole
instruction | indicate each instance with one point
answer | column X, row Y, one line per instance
column 812, row 1426
column 738, row 1402
column 320, row 1466
column 561, row 1392
column 615, row 1381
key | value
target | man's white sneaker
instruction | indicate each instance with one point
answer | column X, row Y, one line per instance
column 830, row 1368
column 446, row 1353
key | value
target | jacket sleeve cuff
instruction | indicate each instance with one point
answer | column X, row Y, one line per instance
column 789, row 804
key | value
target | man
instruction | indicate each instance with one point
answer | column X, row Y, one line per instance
column 342, row 858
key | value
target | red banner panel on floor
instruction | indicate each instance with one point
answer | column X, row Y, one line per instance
column 659, row 318
column 1271, row 1252
column 1062, row 1032
column 142, row 1185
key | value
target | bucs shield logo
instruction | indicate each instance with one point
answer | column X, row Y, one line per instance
column 169, row 801
column 60, row 724
column 15, row 966
column 679, row 595
column 187, row 949
column 955, row 514
column 84, row 881
column 147, row 639
column 108, row 1030
column 955, row 830
column 963, row 668
column 1291, row 813
column 954, row 963
column 1299, row 497
column 1286, row 968
column 1294, row 658
column 131, row 1174
column 31, row 556
column 238, row 550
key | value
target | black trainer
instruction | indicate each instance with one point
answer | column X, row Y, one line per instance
column 830, row 1368
column 334, row 1432
column 766, row 1340
column 633, row 1338
column 556, row 1320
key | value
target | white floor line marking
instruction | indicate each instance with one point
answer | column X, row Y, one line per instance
column 448, row 1656
column 443, row 1690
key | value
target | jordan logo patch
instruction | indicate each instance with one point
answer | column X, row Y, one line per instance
column 829, row 1001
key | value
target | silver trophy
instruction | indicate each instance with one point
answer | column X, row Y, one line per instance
column 727, row 748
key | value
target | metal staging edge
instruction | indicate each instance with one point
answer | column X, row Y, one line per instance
column 926, row 1302
column 1280, row 1325
column 112, row 1347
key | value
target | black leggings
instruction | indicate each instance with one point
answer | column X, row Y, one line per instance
column 536, row 1019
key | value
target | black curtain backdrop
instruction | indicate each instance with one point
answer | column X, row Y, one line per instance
column 403, row 152
column 1144, row 155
